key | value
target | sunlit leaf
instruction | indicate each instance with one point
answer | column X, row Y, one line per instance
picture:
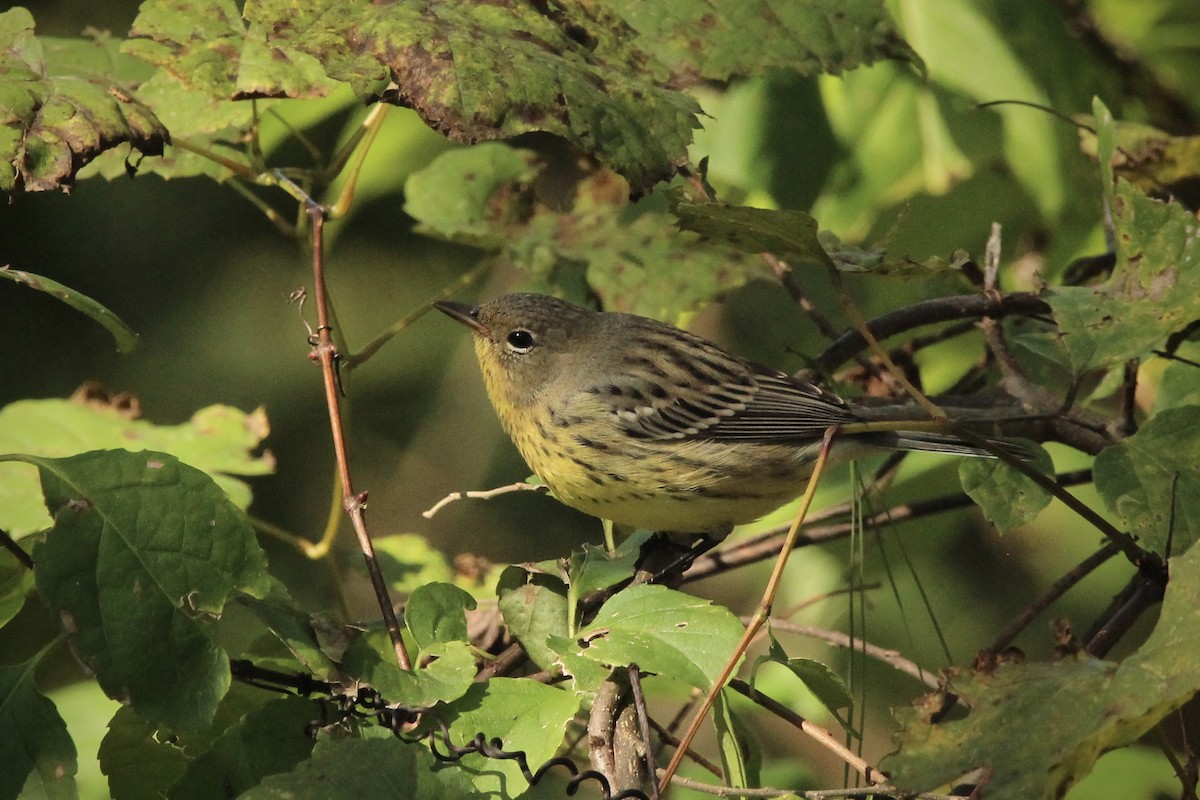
column 662, row 631
column 54, row 123
column 219, row 440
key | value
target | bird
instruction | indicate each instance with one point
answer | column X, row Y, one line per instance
column 641, row 423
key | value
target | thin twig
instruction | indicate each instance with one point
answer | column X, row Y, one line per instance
column 1084, row 568
column 18, row 552
column 456, row 286
column 763, row 610
column 639, row 705
column 729, row 791
column 484, row 494
column 353, row 503
column 839, row 639
column 670, row 740
column 929, row 312
column 1144, row 591
column 815, row 732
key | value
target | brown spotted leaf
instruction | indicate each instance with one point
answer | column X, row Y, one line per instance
column 52, row 122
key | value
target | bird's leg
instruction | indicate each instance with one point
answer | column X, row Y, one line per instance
column 667, row 555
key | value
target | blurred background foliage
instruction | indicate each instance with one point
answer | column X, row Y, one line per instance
column 876, row 155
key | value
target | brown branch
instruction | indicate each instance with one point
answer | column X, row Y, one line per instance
column 1056, row 590
column 354, row 503
column 671, row 740
column 929, row 312
column 815, row 732
column 839, row 639
column 1144, row 590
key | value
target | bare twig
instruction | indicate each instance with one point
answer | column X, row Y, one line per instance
column 18, row 552
column 761, row 613
column 639, row 704
column 484, row 494
column 326, row 354
column 839, row 639
column 451, row 289
column 729, row 791
column 1056, row 590
column 929, row 312
column 671, row 740
column 1144, row 591
column 815, row 732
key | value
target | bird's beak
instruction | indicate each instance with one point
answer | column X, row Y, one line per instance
column 467, row 315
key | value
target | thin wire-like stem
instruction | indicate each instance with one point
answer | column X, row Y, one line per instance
column 464, row 281
column 892, row 658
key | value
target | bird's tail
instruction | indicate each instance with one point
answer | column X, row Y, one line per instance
column 932, row 442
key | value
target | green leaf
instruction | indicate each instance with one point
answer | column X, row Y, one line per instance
column 138, row 765
column 632, row 256
column 524, row 715
column 268, row 740
column 205, row 45
column 1149, row 158
column 1153, row 292
column 663, row 631
column 707, row 39
column 941, row 31
column 791, row 235
column 370, row 659
column 54, row 124
column 534, row 607
column 437, row 612
column 124, row 336
column 592, row 569
column 16, row 584
column 1142, row 477
column 408, row 561
column 144, row 554
column 294, row 628
column 819, row 679
column 352, row 769
column 218, row 440
column 1040, row 727
column 493, row 71
column 453, row 196
column 1007, row 497
column 1180, row 383
column 900, row 143
column 586, row 675
column 739, row 770
column 37, row 756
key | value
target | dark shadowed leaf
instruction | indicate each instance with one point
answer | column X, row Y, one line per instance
column 37, row 756
column 143, row 556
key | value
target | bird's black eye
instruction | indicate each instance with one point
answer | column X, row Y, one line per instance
column 521, row 341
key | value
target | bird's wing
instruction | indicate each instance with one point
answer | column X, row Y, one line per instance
column 719, row 400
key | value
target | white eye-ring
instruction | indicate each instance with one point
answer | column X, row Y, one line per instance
column 520, row 341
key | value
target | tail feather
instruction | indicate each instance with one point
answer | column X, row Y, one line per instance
column 930, row 442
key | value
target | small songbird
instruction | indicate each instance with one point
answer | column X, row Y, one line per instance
column 638, row 422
